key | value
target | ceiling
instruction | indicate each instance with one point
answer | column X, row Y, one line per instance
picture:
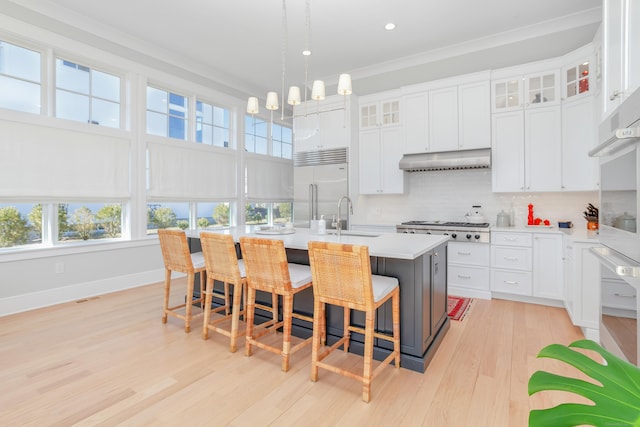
column 238, row 43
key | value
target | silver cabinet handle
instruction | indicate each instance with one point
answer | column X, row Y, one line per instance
column 510, row 239
column 464, row 253
column 464, row 277
column 510, row 282
column 510, row 258
column 618, row 294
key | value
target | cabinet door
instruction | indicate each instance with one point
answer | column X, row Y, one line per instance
column 543, row 139
column 390, row 112
column 305, row 132
column 507, row 152
column 547, row 266
column 390, row 155
column 324, row 131
column 369, row 165
column 443, row 119
column 613, row 34
column 506, row 94
column 579, row 130
column 474, row 115
column 577, row 81
column 415, row 123
column 542, row 89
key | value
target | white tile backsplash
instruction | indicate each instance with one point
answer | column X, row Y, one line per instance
column 448, row 195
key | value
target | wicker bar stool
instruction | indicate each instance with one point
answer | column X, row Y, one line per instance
column 223, row 265
column 267, row 269
column 176, row 256
column 342, row 276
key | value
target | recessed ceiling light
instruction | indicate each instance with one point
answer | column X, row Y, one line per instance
column 390, row 26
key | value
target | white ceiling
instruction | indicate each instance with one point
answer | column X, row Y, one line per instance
column 238, row 43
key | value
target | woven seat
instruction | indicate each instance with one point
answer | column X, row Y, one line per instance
column 342, row 276
column 176, row 256
column 223, row 265
column 267, row 269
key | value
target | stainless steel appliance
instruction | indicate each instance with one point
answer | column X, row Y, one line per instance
column 320, row 179
column 457, row 231
column 619, row 154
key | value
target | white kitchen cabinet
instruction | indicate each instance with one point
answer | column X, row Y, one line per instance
column 474, row 115
column 530, row 90
column 526, row 150
column 511, row 263
column 380, row 144
column 331, row 128
column 443, row 119
column 468, row 269
column 415, row 122
column 379, row 155
column 543, row 148
column 577, row 75
column 579, row 135
column 447, row 115
column 527, row 264
column 621, row 32
column 582, row 286
column 507, row 94
column 548, row 276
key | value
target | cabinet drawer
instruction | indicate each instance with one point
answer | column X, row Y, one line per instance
column 469, row 253
column 511, row 238
column 469, row 277
column 510, row 281
column 511, row 257
column 618, row 294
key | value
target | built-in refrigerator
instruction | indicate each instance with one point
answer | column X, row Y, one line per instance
column 320, row 179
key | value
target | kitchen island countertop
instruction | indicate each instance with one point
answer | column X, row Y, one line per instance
column 387, row 245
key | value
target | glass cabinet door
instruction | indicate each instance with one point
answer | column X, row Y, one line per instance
column 577, row 79
column 368, row 116
column 507, row 94
column 390, row 112
column 542, row 89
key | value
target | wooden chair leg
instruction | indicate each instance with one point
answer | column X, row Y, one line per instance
column 167, row 290
column 235, row 316
column 287, row 314
column 323, row 324
column 189, row 302
column 368, row 356
column 274, row 307
column 227, row 304
column 346, row 323
column 208, row 294
column 203, row 281
column 395, row 301
column 318, row 308
column 249, row 312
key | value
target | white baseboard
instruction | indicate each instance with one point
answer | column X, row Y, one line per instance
column 460, row 291
column 31, row 301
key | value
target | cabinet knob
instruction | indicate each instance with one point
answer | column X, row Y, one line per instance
column 614, row 95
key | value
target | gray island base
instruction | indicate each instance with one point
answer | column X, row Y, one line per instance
column 419, row 262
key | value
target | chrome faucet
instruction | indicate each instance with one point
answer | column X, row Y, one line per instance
column 338, row 224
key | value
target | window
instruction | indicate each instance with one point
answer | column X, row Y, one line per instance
column 24, row 224
column 282, row 141
column 89, row 221
column 167, row 113
column 212, row 125
column 268, row 213
column 255, row 135
column 167, row 215
column 20, row 224
column 87, row 95
column 19, row 78
column 214, row 215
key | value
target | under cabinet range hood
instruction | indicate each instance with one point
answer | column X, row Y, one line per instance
column 447, row 160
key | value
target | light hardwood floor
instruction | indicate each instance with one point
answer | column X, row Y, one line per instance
column 110, row 361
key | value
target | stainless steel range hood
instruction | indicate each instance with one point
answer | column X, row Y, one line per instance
column 447, row 160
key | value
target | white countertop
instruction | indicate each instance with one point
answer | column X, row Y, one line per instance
column 576, row 234
column 387, row 245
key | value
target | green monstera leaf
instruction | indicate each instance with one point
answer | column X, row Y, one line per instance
column 616, row 400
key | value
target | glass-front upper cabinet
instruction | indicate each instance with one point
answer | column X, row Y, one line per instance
column 542, row 89
column 376, row 111
column 507, row 94
column 577, row 80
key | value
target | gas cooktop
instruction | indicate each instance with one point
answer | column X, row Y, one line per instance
column 447, row 224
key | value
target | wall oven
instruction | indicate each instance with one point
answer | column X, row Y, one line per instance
column 619, row 153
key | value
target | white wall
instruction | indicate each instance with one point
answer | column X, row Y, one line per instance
column 448, row 195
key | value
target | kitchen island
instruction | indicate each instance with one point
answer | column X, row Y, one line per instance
column 419, row 262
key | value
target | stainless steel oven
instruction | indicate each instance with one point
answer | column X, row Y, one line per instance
column 619, row 153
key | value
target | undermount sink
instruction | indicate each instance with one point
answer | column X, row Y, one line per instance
column 353, row 233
